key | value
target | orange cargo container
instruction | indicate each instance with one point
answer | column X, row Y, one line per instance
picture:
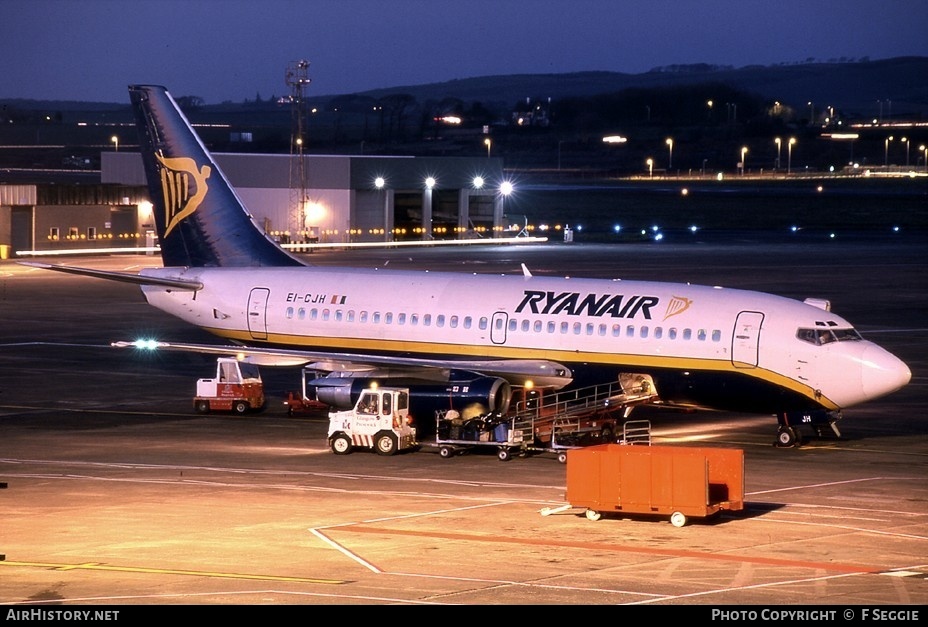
column 680, row 482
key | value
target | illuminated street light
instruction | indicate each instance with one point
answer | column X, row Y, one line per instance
column 488, row 143
column 478, row 182
column 789, row 155
column 670, row 154
column 886, row 150
column 744, row 150
column 924, row 149
column 506, row 188
column 429, row 182
column 115, row 141
column 778, row 142
column 650, row 163
column 906, row 140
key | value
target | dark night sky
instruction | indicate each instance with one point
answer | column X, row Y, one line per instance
column 233, row 50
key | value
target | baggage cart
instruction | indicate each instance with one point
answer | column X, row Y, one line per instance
column 679, row 482
column 454, row 434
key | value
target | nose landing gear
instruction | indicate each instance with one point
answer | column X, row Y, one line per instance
column 788, row 434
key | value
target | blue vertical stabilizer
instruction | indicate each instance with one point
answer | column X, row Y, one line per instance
column 200, row 220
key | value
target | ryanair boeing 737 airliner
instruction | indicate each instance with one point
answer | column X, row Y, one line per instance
column 476, row 338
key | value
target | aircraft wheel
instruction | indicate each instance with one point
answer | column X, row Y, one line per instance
column 678, row 519
column 592, row 514
column 504, row 454
column 446, row 451
column 607, row 435
column 385, row 444
column 786, row 437
column 240, row 407
column 202, row 407
column 562, row 457
column 341, row 444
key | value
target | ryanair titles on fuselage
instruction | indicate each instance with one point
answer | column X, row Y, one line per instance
column 576, row 304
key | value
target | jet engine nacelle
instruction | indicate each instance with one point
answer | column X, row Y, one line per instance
column 471, row 396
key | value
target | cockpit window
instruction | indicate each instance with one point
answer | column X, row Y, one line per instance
column 820, row 337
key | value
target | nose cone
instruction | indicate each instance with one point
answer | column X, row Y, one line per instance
column 883, row 372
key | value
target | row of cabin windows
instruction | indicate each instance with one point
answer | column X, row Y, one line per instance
column 524, row 325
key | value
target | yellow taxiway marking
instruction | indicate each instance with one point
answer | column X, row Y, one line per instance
column 167, row 571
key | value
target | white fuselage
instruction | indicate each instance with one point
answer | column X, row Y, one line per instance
column 623, row 326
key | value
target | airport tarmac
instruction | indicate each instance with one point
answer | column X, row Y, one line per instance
column 118, row 493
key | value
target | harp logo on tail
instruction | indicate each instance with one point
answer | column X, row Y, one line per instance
column 677, row 305
column 180, row 177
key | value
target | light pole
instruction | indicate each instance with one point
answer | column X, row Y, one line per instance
column 381, row 183
column 744, row 150
column 886, row 150
column 789, row 155
column 488, row 144
column 906, row 140
column 650, row 163
column 924, row 149
column 811, row 113
column 670, row 155
column 779, row 143
column 115, row 140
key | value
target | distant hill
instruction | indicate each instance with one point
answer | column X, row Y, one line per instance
column 853, row 87
column 857, row 88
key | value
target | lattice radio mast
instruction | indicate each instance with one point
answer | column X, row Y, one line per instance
column 297, row 81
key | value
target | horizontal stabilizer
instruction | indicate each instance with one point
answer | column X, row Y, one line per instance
column 124, row 277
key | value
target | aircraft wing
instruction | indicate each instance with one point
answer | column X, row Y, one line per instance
column 542, row 373
column 125, row 277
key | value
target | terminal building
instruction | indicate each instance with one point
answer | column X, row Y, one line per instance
column 299, row 200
